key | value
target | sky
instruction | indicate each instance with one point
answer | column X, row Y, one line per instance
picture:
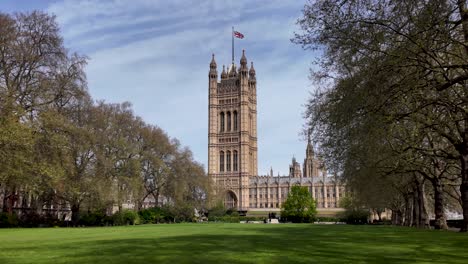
column 156, row 54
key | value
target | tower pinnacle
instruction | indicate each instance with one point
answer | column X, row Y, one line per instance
column 243, row 60
column 224, row 74
column 213, row 62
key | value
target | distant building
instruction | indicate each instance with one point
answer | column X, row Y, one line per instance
column 232, row 149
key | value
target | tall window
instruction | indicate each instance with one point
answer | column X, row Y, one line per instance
column 235, row 120
column 221, row 121
column 234, row 161
column 228, row 121
column 228, row 161
column 221, row 161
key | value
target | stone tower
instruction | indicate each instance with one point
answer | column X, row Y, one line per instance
column 232, row 136
column 311, row 163
column 295, row 169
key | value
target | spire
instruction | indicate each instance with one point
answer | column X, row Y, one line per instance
column 271, row 171
column 224, row 74
column 310, row 148
column 252, row 78
column 213, row 62
column 233, row 71
column 243, row 60
column 213, row 73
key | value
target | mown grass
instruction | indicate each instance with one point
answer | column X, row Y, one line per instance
column 232, row 243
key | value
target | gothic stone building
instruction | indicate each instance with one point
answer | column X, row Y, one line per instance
column 232, row 149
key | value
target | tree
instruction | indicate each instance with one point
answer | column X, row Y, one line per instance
column 36, row 75
column 392, row 68
column 60, row 149
column 299, row 207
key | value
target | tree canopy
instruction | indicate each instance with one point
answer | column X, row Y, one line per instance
column 299, row 206
column 391, row 107
column 60, row 148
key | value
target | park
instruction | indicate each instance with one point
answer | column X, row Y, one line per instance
column 143, row 132
column 232, row 243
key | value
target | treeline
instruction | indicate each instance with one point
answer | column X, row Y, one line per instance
column 391, row 109
column 60, row 149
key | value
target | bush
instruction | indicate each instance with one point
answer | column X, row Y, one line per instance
column 97, row 218
column 252, row 218
column 147, row 216
column 329, row 219
column 31, row 219
column 234, row 219
column 126, row 217
column 217, row 211
column 8, row 220
column 355, row 216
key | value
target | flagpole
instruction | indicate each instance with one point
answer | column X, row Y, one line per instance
column 232, row 35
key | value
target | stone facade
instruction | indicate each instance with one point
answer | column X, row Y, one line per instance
column 232, row 148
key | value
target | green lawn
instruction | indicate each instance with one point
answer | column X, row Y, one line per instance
column 232, row 243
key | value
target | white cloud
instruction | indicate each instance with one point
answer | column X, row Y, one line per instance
column 156, row 55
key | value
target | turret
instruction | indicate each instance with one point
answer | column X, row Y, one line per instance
column 310, row 148
column 224, row 74
column 213, row 72
column 243, row 64
column 233, row 71
column 252, row 77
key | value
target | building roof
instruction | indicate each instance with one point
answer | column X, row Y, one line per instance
column 286, row 179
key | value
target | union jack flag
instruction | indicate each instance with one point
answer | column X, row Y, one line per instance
column 237, row 34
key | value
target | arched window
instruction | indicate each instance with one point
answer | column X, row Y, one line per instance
column 235, row 120
column 234, row 161
column 228, row 121
column 228, row 160
column 221, row 121
column 221, row 161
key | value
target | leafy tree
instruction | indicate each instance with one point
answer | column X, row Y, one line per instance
column 393, row 93
column 354, row 213
column 61, row 149
column 299, row 207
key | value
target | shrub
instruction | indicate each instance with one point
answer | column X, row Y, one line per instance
column 217, row 211
column 8, row 220
column 31, row 219
column 147, row 216
column 355, row 216
column 126, row 217
column 329, row 219
column 96, row 218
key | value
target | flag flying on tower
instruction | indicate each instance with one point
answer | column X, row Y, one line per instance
column 237, row 34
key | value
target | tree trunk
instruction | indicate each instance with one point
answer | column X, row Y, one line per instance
column 156, row 198
column 464, row 189
column 11, row 199
column 408, row 215
column 75, row 209
column 420, row 212
column 396, row 217
column 416, row 210
column 424, row 219
column 5, row 201
column 440, row 221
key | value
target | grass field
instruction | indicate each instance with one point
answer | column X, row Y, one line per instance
column 232, row 243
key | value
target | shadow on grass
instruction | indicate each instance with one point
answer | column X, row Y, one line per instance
column 262, row 244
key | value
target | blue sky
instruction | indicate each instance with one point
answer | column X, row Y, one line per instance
column 155, row 54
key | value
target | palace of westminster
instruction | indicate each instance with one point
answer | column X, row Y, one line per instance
column 232, row 149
